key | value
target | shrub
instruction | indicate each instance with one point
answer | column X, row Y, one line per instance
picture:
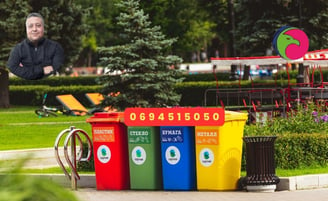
column 16, row 186
column 300, row 121
column 302, row 138
column 56, row 81
column 208, row 77
column 301, row 150
column 86, row 165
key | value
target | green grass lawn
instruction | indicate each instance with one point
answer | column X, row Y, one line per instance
column 21, row 128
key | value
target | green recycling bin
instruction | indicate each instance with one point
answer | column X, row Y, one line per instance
column 145, row 158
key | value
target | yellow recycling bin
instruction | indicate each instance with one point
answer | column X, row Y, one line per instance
column 219, row 152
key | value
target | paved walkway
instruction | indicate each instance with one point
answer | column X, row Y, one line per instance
column 38, row 158
column 299, row 195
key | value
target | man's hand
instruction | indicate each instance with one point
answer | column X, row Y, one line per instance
column 47, row 70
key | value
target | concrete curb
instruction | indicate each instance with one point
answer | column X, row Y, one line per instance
column 303, row 182
column 86, row 180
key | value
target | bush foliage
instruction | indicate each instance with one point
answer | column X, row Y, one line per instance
column 302, row 138
column 15, row 186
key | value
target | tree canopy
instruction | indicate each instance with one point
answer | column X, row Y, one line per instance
column 195, row 24
column 257, row 22
column 12, row 26
column 207, row 24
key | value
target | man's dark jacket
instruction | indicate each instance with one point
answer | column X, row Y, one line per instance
column 27, row 60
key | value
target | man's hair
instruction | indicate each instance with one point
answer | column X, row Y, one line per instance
column 35, row 15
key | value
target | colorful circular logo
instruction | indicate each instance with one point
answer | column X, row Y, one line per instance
column 172, row 155
column 104, row 154
column 138, row 155
column 290, row 43
column 206, row 157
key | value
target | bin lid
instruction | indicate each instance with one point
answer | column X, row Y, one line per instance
column 232, row 115
column 100, row 117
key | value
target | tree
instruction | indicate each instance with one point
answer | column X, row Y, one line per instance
column 312, row 17
column 101, row 29
column 255, row 30
column 217, row 13
column 185, row 20
column 175, row 17
column 146, row 69
column 199, row 36
column 12, row 19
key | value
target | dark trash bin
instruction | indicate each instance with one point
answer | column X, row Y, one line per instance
column 260, row 164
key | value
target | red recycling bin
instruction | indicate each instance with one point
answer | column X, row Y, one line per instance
column 110, row 149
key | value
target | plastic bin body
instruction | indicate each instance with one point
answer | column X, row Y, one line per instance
column 110, row 151
column 144, row 157
column 178, row 157
column 219, row 153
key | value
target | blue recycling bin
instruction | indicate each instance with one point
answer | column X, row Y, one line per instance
column 178, row 157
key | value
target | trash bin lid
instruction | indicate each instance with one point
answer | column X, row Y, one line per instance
column 106, row 117
column 232, row 115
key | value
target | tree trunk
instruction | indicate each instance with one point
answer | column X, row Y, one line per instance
column 247, row 69
column 4, row 88
column 89, row 58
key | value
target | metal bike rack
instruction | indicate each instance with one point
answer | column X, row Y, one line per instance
column 73, row 135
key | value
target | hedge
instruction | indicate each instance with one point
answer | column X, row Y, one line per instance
column 294, row 151
column 301, row 150
column 56, row 81
column 201, row 77
column 92, row 80
column 192, row 93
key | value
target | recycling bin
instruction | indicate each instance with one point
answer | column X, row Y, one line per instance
column 110, row 149
column 178, row 157
column 219, row 153
column 144, row 158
